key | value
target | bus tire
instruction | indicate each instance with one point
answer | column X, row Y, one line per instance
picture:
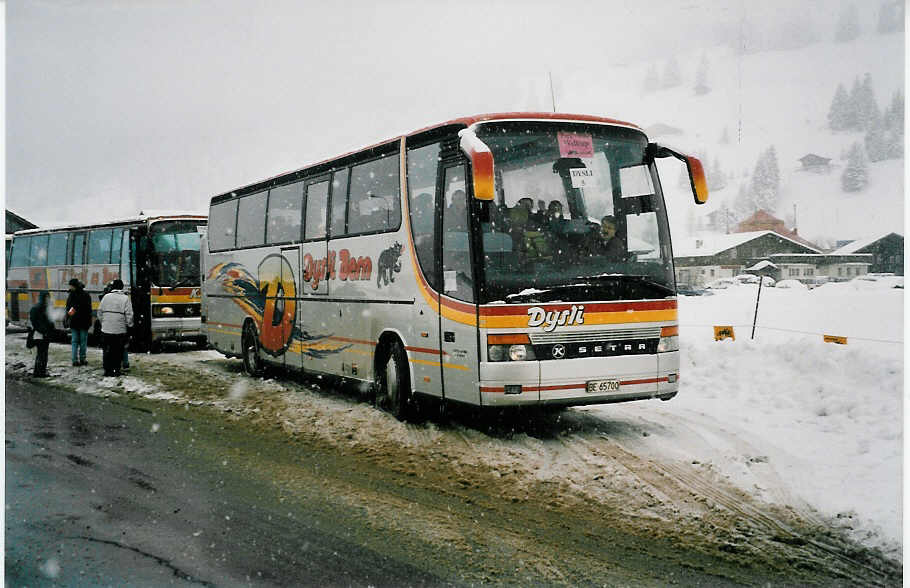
column 393, row 386
column 252, row 363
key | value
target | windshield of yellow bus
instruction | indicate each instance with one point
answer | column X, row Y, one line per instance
column 175, row 253
column 578, row 215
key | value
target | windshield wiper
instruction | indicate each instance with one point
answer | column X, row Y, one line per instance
column 183, row 282
column 645, row 280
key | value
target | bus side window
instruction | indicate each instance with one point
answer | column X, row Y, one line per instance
column 456, row 253
column 124, row 257
column 339, row 201
column 77, row 248
column 99, row 246
column 38, row 255
column 19, row 255
column 423, row 163
column 222, row 222
column 251, row 220
column 285, row 204
column 317, row 197
column 374, row 203
column 115, row 246
column 56, row 249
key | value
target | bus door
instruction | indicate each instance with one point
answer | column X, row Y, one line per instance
column 458, row 310
column 314, row 313
column 136, row 266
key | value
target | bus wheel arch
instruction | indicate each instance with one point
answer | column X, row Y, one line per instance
column 392, row 381
column 249, row 341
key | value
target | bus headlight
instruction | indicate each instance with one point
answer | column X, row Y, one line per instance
column 509, row 348
column 496, row 352
column 521, row 352
column 669, row 339
column 163, row 311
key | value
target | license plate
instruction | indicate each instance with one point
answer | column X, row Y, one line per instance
column 600, row 386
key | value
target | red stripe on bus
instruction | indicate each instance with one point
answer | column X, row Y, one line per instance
column 426, row 350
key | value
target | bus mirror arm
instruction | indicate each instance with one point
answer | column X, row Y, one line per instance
column 694, row 167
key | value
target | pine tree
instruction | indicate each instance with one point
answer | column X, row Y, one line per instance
column 672, row 76
column 866, row 106
column 765, row 185
column 652, row 80
column 744, row 204
column 856, row 173
column 847, row 25
column 701, row 77
column 893, row 125
column 874, row 140
column 838, row 114
column 717, row 180
column 853, row 106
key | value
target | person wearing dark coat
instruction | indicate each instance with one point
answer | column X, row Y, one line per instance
column 79, row 314
column 43, row 328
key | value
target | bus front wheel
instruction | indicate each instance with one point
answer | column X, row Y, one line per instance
column 252, row 364
column 393, row 388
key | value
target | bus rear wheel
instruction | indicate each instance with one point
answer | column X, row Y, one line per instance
column 393, row 388
column 252, row 364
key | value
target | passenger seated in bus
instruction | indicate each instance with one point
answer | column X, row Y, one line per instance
column 555, row 220
column 605, row 241
column 534, row 244
column 535, row 219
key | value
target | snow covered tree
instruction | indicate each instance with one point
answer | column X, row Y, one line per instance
column 893, row 127
column 864, row 104
column 847, row 25
column 725, row 136
column 717, row 180
column 856, row 173
column 652, row 80
column 764, row 188
column 875, row 139
column 743, row 204
column 701, row 77
column 891, row 17
column 839, row 113
column 672, row 75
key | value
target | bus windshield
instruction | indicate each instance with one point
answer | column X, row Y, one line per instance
column 578, row 216
column 174, row 254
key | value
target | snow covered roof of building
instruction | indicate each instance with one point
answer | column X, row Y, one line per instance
column 861, row 244
column 761, row 265
column 712, row 244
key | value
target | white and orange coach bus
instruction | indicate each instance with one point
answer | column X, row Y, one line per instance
column 155, row 254
column 468, row 261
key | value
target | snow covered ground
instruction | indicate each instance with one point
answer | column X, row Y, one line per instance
column 787, row 416
column 784, row 419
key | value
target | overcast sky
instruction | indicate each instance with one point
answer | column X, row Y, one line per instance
column 113, row 107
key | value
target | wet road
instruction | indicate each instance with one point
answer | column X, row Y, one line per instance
column 114, row 492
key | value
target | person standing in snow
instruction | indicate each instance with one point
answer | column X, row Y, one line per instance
column 43, row 328
column 116, row 315
column 79, row 315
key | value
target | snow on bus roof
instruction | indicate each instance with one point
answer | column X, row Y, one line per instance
column 141, row 217
column 465, row 121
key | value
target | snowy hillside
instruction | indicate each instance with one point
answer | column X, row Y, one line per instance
column 773, row 98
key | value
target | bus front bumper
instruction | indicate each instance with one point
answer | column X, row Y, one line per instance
column 177, row 329
column 568, row 381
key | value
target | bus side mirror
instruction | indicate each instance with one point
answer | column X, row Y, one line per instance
column 481, row 164
column 694, row 167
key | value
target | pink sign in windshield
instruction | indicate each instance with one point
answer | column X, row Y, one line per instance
column 575, row 145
